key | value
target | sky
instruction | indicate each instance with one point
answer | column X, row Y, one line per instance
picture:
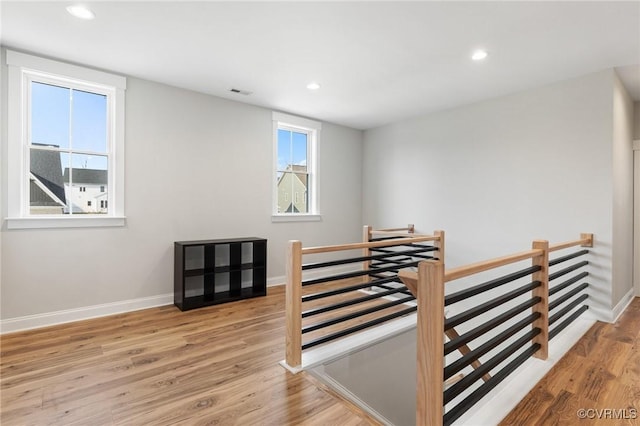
column 292, row 149
column 71, row 119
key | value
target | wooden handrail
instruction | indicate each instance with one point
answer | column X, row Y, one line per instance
column 409, row 228
column 396, row 233
column 474, row 268
column 354, row 246
column 586, row 240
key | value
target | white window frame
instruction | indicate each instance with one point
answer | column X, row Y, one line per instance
column 22, row 68
column 312, row 129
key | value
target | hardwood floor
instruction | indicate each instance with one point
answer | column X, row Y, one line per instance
column 601, row 372
column 218, row 366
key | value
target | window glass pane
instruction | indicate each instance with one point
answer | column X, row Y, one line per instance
column 46, row 183
column 89, row 123
column 299, row 152
column 284, row 149
column 84, row 181
column 292, row 193
column 50, row 106
column 285, row 198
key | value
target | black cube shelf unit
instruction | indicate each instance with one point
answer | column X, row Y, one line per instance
column 209, row 272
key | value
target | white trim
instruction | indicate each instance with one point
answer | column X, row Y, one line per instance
column 21, row 69
column 64, row 222
column 312, row 129
column 611, row 315
column 622, row 305
column 70, row 315
column 276, row 218
column 295, row 121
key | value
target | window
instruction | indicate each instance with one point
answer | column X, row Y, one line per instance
column 295, row 168
column 66, row 131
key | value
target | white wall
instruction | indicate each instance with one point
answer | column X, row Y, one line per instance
column 498, row 174
column 622, row 192
column 197, row 167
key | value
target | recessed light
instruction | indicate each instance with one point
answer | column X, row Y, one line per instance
column 479, row 55
column 81, row 12
column 313, row 86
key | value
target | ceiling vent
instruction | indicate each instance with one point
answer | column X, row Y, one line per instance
column 241, row 92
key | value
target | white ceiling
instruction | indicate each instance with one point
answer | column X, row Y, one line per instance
column 377, row 62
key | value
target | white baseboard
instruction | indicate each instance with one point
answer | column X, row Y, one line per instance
column 622, row 305
column 77, row 314
column 46, row 319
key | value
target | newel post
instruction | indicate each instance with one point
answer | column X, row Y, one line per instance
column 430, row 343
column 542, row 291
column 293, row 302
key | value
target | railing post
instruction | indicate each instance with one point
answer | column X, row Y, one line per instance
column 430, row 343
column 439, row 243
column 293, row 302
column 366, row 236
column 542, row 291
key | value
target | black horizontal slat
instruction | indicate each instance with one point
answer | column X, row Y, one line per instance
column 342, row 290
column 558, row 260
column 360, row 259
column 558, row 328
column 487, row 306
column 460, row 386
column 567, row 270
column 472, row 291
column 351, row 302
column 354, row 274
column 464, row 405
column 556, row 288
column 359, row 327
column 468, row 358
column 371, row 240
column 454, row 344
column 353, row 315
column 564, row 311
column 386, row 250
column 560, row 300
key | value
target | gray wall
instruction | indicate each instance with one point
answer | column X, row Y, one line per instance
column 197, row 167
column 622, row 253
column 636, row 120
column 498, row 174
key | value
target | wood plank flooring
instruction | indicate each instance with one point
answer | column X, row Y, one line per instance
column 215, row 366
column 218, row 366
column 601, row 372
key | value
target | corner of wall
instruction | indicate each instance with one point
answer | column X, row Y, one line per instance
column 623, row 226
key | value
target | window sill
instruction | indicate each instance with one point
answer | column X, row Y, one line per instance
column 63, row 222
column 296, row 218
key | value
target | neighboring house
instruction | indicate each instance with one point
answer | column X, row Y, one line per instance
column 292, row 190
column 46, row 186
column 87, row 192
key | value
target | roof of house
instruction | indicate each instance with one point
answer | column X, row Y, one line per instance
column 46, row 167
column 87, row 176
